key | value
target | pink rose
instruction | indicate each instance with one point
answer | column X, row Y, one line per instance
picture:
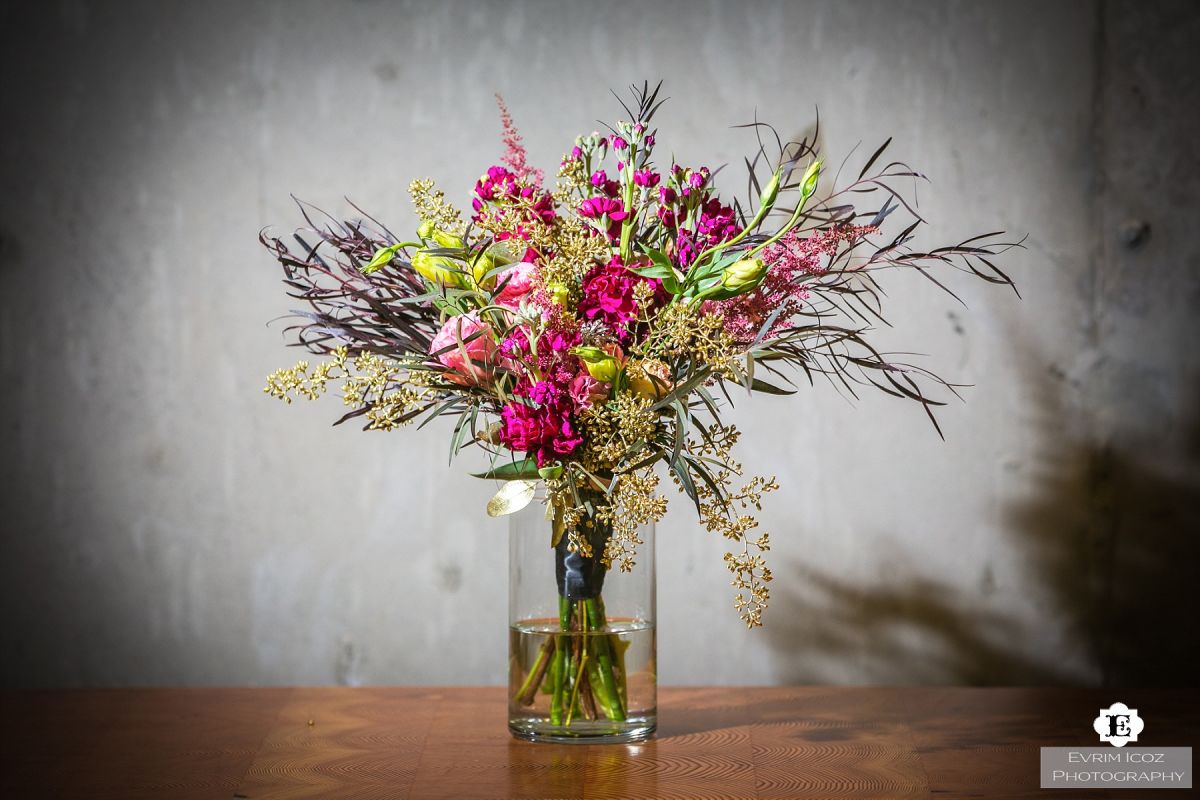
column 470, row 362
column 517, row 282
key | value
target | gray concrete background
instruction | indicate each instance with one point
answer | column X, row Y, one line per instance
column 166, row 523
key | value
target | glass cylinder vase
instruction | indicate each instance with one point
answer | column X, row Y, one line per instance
column 582, row 663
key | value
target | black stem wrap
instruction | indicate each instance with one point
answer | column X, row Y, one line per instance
column 580, row 577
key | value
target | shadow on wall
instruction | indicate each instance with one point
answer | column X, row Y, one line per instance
column 1110, row 541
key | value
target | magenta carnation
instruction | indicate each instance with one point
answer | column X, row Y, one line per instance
column 545, row 433
column 608, row 297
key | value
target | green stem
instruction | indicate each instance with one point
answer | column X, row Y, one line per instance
column 618, row 650
column 573, row 706
column 607, row 684
column 529, row 688
column 602, row 700
column 560, row 663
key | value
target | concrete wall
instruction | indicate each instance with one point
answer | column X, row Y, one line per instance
column 166, row 523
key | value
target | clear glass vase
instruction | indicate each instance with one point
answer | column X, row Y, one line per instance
column 582, row 663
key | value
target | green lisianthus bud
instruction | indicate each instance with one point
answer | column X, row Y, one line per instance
column 771, row 190
column 438, row 269
column 383, row 256
column 742, row 276
column 600, row 364
column 808, row 184
column 429, row 231
column 447, row 240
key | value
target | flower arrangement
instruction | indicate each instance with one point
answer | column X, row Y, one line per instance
column 582, row 335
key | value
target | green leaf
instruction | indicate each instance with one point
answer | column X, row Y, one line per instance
column 759, row 385
column 685, row 481
column 653, row 271
column 516, row 470
column 551, row 471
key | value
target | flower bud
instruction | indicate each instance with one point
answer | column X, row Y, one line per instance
column 808, row 184
column 447, row 240
column 742, row 276
column 600, row 364
column 438, row 269
column 771, row 190
column 428, row 230
column 383, row 256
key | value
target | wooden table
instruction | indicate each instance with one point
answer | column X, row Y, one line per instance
column 442, row 742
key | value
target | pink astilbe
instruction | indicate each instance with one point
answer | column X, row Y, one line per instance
column 515, row 154
column 792, row 263
column 799, row 255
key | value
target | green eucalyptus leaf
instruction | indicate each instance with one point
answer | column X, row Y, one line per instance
column 526, row 468
column 759, row 385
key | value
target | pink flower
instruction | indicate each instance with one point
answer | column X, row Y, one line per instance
column 646, row 177
column 516, row 283
column 598, row 207
column 514, row 149
column 793, row 261
column 545, row 433
column 512, row 194
column 469, row 362
column 608, row 296
column 715, row 223
column 586, row 391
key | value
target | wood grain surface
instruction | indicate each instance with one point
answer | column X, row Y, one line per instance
column 441, row 742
